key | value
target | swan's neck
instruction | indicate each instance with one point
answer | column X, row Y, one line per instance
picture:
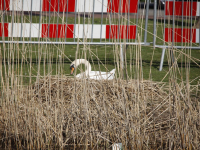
column 86, row 63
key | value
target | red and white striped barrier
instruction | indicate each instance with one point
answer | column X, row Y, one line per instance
column 81, row 31
column 69, row 5
column 186, row 8
column 182, row 36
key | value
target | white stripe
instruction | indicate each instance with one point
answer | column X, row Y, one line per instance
column 87, row 5
column 25, row 30
column 17, row 5
column 97, row 31
column 88, row 31
column 198, row 9
column 197, row 35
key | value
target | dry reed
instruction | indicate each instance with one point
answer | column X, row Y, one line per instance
column 68, row 113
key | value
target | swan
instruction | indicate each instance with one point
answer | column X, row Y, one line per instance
column 97, row 75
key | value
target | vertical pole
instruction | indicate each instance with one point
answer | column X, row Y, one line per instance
column 127, row 33
column 84, row 23
column 58, row 15
column 3, row 37
column 75, row 20
column 31, row 20
column 122, row 57
column 162, row 59
column 173, row 24
column 173, row 33
column 12, row 19
column 22, row 20
column 137, row 21
column 146, row 21
column 182, row 24
column 92, row 20
column 119, row 24
column 163, row 50
column 40, row 20
column 49, row 18
column 110, row 19
column 119, row 39
column 101, row 20
column 154, row 23
column 66, row 20
column 199, row 32
column 191, row 23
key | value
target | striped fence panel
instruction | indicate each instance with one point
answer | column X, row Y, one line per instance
column 186, row 8
column 123, row 6
column 186, row 36
column 70, row 30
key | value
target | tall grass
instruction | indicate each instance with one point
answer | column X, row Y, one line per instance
column 43, row 107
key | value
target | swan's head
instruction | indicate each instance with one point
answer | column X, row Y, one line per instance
column 72, row 68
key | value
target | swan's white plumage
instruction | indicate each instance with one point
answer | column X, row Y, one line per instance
column 96, row 75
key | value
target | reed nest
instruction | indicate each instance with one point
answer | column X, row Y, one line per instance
column 62, row 112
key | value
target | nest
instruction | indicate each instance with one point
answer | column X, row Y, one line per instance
column 71, row 113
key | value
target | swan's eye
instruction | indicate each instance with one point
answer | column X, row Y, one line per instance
column 72, row 66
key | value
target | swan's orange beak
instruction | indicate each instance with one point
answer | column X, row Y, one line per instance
column 72, row 70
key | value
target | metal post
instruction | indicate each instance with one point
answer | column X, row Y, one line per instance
column 173, row 25
column 122, row 56
column 84, row 23
column 92, row 20
column 191, row 23
column 146, row 21
column 75, row 21
column 127, row 33
column 137, row 21
column 22, row 19
column 40, row 20
column 110, row 19
column 162, row 59
column 3, row 37
column 182, row 24
column 101, row 20
column 31, row 20
column 58, row 15
column 163, row 50
column 12, row 19
column 119, row 40
column 119, row 15
column 173, row 32
column 154, row 23
column 49, row 18
column 66, row 20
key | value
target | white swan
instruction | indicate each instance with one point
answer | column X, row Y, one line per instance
column 97, row 75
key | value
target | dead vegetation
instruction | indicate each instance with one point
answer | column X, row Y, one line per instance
column 68, row 113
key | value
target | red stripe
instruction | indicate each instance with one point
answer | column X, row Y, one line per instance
column 6, row 6
column 61, row 30
column 178, row 36
column 5, row 28
column 112, row 32
column 62, row 5
column 178, row 8
column 124, row 6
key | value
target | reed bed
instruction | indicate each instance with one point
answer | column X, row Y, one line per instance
column 70, row 113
